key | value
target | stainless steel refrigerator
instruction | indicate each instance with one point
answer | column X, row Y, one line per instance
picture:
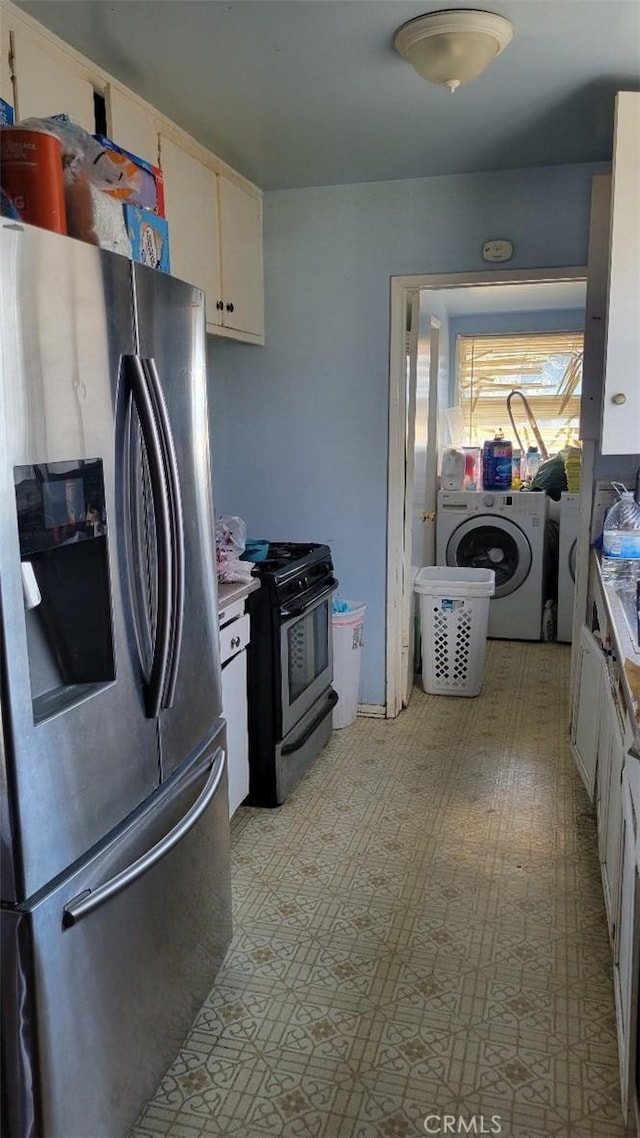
column 116, row 907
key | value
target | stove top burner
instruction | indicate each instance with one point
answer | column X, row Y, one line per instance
column 281, row 555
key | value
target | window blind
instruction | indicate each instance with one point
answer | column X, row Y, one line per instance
column 545, row 366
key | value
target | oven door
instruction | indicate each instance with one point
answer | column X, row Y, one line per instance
column 306, row 651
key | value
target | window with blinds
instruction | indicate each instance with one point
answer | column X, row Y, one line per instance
column 546, row 367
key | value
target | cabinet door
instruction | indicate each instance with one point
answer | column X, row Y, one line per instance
column 610, row 833
column 190, row 204
column 6, row 84
column 47, row 83
column 584, row 736
column 241, row 257
column 131, row 125
column 627, row 953
column 234, row 708
column 621, row 406
column 595, row 317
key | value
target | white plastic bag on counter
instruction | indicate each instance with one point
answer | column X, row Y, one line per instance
column 230, row 568
column 231, row 540
column 231, row 534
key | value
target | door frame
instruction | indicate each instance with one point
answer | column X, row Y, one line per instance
column 398, row 571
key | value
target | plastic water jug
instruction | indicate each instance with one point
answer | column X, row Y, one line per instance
column 621, row 540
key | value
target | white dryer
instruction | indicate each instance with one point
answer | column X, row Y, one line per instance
column 567, row 553
column 503, row 531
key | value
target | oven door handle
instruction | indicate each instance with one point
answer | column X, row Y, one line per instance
column 332, row 699
column 305, row 600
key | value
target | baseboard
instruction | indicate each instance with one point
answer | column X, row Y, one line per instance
column 372, row 710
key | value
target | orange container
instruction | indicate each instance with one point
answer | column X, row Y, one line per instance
column 31, row 175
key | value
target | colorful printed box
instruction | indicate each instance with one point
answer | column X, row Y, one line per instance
column 6, row 113
column 149, row 237
column 149, row 183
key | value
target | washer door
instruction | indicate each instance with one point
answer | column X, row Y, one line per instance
column 488, row 542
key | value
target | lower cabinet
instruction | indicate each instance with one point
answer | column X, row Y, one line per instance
column 611, row 756
column 626, row 973
column 591, row 676
column 234, row 637
column 612, row 777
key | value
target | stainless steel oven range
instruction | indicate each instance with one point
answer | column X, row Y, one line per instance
column 289, row 668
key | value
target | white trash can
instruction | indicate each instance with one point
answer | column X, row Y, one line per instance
column 454, row 617
column 348, row 629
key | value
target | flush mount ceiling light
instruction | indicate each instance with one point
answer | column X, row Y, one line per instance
column 454, row 47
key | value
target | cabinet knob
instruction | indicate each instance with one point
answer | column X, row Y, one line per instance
column 230, row 308
column 619, row 399
column 235, row 641
column 220, row 305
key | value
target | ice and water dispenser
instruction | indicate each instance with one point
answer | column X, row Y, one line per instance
column 62, row 525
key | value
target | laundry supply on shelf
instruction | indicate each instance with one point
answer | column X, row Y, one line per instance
column 497, row 463
column 531, row 463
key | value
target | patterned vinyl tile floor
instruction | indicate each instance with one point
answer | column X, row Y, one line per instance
column 419, row 931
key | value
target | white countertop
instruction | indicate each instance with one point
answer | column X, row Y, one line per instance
column 231, row 591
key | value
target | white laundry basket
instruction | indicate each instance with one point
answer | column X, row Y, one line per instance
column 348, row 629
column 454, row 617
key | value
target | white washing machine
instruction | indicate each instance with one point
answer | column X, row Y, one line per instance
column 567, row 553
column 503, row 531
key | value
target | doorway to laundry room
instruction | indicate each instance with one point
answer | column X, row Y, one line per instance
column 460, row 345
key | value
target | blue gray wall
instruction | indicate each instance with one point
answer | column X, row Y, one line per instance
column 300, row 426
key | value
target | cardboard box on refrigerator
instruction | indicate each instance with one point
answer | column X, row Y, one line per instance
column 143, row 181
column 6, row 113
column 149, row 237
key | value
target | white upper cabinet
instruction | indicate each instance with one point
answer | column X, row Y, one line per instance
column 45, row 81
column 214, row 214
column 215, row 241
column 192, row 213
column 621, row 397
column 131, row 124
column 241, row 269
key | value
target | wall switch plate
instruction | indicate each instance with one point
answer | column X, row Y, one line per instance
column 497, row 250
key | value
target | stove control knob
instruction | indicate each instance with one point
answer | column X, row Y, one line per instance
column 488, row 499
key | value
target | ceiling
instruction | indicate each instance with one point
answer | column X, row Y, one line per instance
column 311, row 92
column 542, row 296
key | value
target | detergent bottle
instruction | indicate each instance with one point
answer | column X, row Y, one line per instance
column 532, row 463
column 497, row 463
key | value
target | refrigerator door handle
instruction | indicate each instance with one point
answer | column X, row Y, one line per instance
column 90, row 899
column 177, row 527
column 155, row 454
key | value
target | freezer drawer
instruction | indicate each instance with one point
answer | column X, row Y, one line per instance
column 104, row 974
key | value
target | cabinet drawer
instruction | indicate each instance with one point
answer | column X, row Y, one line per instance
column 230, row 612
column 234, row 637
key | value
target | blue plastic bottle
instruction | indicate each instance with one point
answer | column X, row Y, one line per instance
column 497, row 463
